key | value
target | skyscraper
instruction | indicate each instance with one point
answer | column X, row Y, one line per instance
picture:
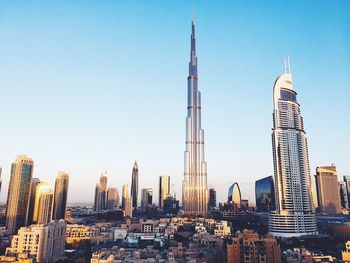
column 34, row 183
column 45, row 206
column 134, row 184
column 212, row 198
column 343, row 195
column 328, row 190
column 265, row 194
column 146, row 197
column 194, row 188
column 347, row 183
column 164, row 189
column 41, row 187
column 112, row 198
column 294, row 214
column 234, row 195
column 100, row 202
column 60, row 199
column 18, row 193
column 125, row 194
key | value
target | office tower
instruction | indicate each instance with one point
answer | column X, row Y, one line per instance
column 234, row 195
column 171, row 205
column 146, row 197
column 328, row 190
column 33, row 185
column 164, row 189
column 125, row 194
column 18, row 193
column 255, row 248
column 128, row 206
column 41, row 187
column 45, row 243
column 265, row 194
column 347, row 183
column 294, row 214
column 45, row 206
column 134, row 184
column 194, row 188
column 343, row 195
column 212, row 198
column 100, row 202
column 112, row 198
column 60, row 198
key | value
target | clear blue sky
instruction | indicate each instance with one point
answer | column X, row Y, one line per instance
column 90, row 86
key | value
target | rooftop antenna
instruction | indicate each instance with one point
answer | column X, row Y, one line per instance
column 193, row 12
column 288, row 65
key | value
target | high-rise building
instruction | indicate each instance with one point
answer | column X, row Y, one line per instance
column 294, row 214
column 347, row 183
column 234, row 195
column 100, row 202
column 164, row 189
column 60, row 198
column 45, row 243
column 343, row 195
column 212, row 198
column 125, row 194
column 128, row 206
column 146, row 197
column 33, row 185
column 265, row 194
column 194, row 188
column 112, row 198
column 328, row 190
column 45, row 206
column 41, row 187
column 134, row 184
column 171, row 205
column 18, row 193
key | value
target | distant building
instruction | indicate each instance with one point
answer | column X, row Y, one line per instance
column 347, row 183
column 41, row 187
column 45, row 202
column 125, row 194
column 234, row 195
column 135, row 185
column 60, row 196
column 34, row 183
column 328, row 190
column 112, row 198
column 19, row 193
column 343, row 195
column 146, row 197
column 100, row 202
column 265, row 194
column 164, row 189
column 171, row 205
column 128, row 207
column 45, row 243
column 250, row 247
column 212, row 198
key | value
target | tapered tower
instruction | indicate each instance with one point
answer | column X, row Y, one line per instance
column 194, row 188
column 135, row 185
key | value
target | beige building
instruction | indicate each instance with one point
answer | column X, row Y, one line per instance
column 45, row 243
column 128, row 206
column 164, row 189
column 76, row 234
column 249, row 247
column 328, row 190
column 18, row 193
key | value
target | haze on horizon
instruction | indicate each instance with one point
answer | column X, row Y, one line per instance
column 89, row 87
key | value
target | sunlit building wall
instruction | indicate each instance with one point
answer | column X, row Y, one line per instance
column 164, row 189
column 234, row 195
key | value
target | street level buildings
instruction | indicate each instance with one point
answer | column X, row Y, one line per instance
column 18, row 193
column 294, row 214
column 328, row 190
column 60, row 196
column 194, row 188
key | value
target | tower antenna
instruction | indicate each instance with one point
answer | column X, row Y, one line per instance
column 193, row 12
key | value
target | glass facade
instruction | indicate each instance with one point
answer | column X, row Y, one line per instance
column 265, row 194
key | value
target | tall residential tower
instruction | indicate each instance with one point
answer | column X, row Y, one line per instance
column 194, row 188
column 134, row 184
column 294, row 214
column 60, row 199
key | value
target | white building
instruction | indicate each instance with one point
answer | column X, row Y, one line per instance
column 45, row 243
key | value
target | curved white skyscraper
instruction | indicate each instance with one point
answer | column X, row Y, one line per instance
column 194, row 189
column 294, row 215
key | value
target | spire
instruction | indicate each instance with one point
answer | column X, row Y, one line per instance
column 135, row 166
column 193, row 57
column 286, row 63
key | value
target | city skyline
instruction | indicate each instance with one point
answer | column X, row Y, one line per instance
column 70, row 152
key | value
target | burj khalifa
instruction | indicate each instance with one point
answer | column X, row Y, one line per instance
column 194, row 188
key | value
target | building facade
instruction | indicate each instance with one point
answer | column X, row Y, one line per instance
column 194, row 188
column 33, row 185
column 265, row 194
column 135, row 184
column 164, row 189
column 125, row 194
column 212, row 198
column 18, row 193
column 328, row 190
column 100, row 202
column 294, row 214
column 45, row 203
column 146, row 197
column 343, row 195
column 60, row 198
column 234, row 195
